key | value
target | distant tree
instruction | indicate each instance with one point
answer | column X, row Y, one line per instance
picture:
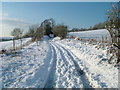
column 98, row 26
column 83, row 29
column 38, row 34
column 75, row 29
column 31, row 31
column 16, row 33
column 48, row 25
column 60, row 30
column 90, row 28
column 44, row 29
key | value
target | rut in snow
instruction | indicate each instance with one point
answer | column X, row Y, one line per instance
column 86, row 83
column 50, row 81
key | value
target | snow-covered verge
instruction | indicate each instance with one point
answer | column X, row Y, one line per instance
column 28, row 68
column 93, row 34
column 93, row 62
column 9, row 44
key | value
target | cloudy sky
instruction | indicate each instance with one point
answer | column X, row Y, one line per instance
column 8, row 23
column 77, row 14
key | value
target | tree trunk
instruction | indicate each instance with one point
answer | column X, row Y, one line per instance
column 14, row 44
column 21, row 42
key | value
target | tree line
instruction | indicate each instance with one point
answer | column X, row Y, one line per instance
column 36, row 32
column 95, row 27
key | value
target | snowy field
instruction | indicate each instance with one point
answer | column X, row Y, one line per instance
column 94, row 34
column 66, row 63
column 9, row 44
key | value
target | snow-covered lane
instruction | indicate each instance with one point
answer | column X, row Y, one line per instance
column 30, row 68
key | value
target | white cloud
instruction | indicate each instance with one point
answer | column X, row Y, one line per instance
column 2, row 15
column 8, row 24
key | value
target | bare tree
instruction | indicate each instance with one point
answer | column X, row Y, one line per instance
column 38, row 34
column 48, row 25
column 16, row 33
column 44, row 29
column 112, row 23
column 113, row 26
column 31, row 31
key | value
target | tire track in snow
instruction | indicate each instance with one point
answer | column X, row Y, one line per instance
column 51, row 81
column 86, row 83
column 66, row 72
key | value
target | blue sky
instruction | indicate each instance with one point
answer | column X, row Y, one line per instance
column 72, row 14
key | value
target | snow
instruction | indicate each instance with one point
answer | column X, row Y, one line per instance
column 45, row 38
column 56, row 63
column 101, row 75
column 93, row 34
column 9, row 44
column 56, row 39
column 51, row 35
column 28, row 68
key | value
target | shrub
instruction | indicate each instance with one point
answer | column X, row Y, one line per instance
column 60, row 31
column 113, row 26
column 38, row 34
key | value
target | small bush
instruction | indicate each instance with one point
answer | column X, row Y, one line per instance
column 38, row 34
column 60, row 31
